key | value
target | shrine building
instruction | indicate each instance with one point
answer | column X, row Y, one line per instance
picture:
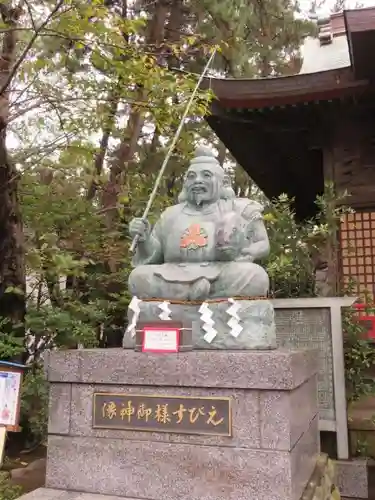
column 294, row 133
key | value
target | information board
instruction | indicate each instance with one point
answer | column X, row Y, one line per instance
column 10, row 384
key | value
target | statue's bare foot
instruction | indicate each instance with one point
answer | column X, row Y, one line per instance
column 199, row 290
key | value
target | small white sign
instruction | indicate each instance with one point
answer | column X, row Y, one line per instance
column 160, row 339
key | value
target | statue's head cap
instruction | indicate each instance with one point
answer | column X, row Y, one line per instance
column 204, row 154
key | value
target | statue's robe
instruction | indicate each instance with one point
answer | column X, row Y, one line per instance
column 184, row 248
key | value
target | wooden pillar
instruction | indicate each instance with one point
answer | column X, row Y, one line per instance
column 327, row 274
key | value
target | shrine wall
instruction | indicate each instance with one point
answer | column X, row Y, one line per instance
column 350, row 162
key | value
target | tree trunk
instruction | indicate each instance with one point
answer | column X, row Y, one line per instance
column 12, row 265
column 103, row 145
column 128, row 146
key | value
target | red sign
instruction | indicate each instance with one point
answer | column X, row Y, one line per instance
column 367, row 318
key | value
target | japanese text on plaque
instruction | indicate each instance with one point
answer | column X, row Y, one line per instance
column 162, row 413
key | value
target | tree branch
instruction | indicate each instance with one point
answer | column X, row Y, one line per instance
column 31, row 42
column 28, row 6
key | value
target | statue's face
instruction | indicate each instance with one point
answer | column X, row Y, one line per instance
column 201, row 184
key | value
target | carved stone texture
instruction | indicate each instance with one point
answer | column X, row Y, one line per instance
column 311, row 328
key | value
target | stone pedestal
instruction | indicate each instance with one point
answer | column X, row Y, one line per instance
column 255, row 317
column 270, row 455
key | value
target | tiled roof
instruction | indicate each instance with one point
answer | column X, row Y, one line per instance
column 330, row 49
column 317, row 57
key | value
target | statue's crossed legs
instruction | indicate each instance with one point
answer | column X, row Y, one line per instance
column 235, row 279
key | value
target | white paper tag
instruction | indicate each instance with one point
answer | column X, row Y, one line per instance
column 160, row 340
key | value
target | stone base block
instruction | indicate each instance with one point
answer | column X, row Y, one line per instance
column 256, row 319
column 170, row 471
column 270, row 455
column 352, row 478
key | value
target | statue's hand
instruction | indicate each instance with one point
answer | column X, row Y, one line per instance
column 139, row 227
column 245, row 257
column 226, row 252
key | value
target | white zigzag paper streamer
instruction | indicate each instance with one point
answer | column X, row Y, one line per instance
column 235, row 327
column 208, row 322
column 233, row 322
column 134, row 306
column 165, row 314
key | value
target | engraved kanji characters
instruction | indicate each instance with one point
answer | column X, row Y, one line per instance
column 109, row 410
column 144, row 412
column 127, row 411
column 138, row 413
column 161, row 414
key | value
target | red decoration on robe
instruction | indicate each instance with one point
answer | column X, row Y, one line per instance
column 194, row 237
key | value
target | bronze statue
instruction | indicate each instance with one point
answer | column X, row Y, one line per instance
column 196, row 265
column 206, row 245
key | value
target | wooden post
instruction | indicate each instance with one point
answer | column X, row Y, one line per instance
column 3, row 437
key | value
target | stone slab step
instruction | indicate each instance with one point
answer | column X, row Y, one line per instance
column 53, row 494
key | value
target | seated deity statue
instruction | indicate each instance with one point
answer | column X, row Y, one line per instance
column 205, row 247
